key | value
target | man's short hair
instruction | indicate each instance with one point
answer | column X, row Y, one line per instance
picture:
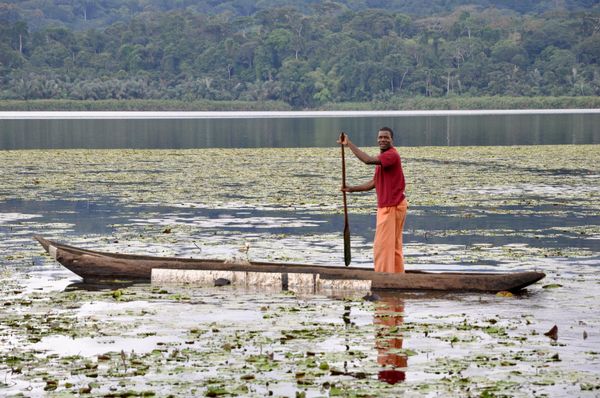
column 389, row 130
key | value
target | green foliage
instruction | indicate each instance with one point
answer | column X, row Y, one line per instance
column 304, row 54
column 141, row 105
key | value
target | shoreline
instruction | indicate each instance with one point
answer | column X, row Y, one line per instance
column 395, row 104
column 47, row 115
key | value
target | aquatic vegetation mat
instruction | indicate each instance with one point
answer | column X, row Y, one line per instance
column 472, row 208
column 307, row 178
column 159, row 340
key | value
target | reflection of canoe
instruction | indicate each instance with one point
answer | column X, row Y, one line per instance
column 95, row 266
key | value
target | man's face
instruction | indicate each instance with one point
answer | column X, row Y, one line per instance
column 384, row 139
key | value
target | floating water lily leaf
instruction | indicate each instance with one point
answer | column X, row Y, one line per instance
column 552, row 333
column 552, row 286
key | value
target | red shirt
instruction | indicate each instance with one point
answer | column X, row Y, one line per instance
column 389, row 179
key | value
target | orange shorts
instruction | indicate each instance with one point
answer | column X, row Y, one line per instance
column 388, row 238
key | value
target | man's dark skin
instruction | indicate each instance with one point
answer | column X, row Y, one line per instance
column 385, row 141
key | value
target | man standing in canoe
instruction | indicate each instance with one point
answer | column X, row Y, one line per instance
column 389, row 184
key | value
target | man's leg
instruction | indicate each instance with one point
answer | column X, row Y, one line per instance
column 399, row 227
column 385, row 237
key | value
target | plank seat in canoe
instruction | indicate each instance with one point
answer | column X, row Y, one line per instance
column 95, row 266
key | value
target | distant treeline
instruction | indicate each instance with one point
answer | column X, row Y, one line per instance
column 86, row 14
column 312, row 55
column 141, row 105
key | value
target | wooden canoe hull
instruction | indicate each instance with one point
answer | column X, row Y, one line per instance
column 94, row 266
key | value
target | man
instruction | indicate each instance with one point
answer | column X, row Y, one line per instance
column 389, row 184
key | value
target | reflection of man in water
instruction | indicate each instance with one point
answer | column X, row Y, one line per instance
column 389, row 314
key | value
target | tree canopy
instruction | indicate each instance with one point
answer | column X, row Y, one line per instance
column 305, row 53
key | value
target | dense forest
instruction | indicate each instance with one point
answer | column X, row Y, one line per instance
column 304, row 53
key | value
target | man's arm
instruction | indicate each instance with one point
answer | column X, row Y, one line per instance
column 362, row 156
column 367, row 186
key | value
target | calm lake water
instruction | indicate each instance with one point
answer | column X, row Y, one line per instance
column 492, row 209
column 147, row 130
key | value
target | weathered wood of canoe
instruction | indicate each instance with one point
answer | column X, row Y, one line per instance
column 95, row 266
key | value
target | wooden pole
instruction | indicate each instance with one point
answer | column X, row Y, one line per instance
column 347, row 254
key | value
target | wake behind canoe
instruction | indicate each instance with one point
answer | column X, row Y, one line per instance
column 94, row 266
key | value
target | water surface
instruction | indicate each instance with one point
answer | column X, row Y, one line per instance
column 60, row 130
column 488, row 209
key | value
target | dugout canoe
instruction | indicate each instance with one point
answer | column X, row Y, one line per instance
column 95, row 266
